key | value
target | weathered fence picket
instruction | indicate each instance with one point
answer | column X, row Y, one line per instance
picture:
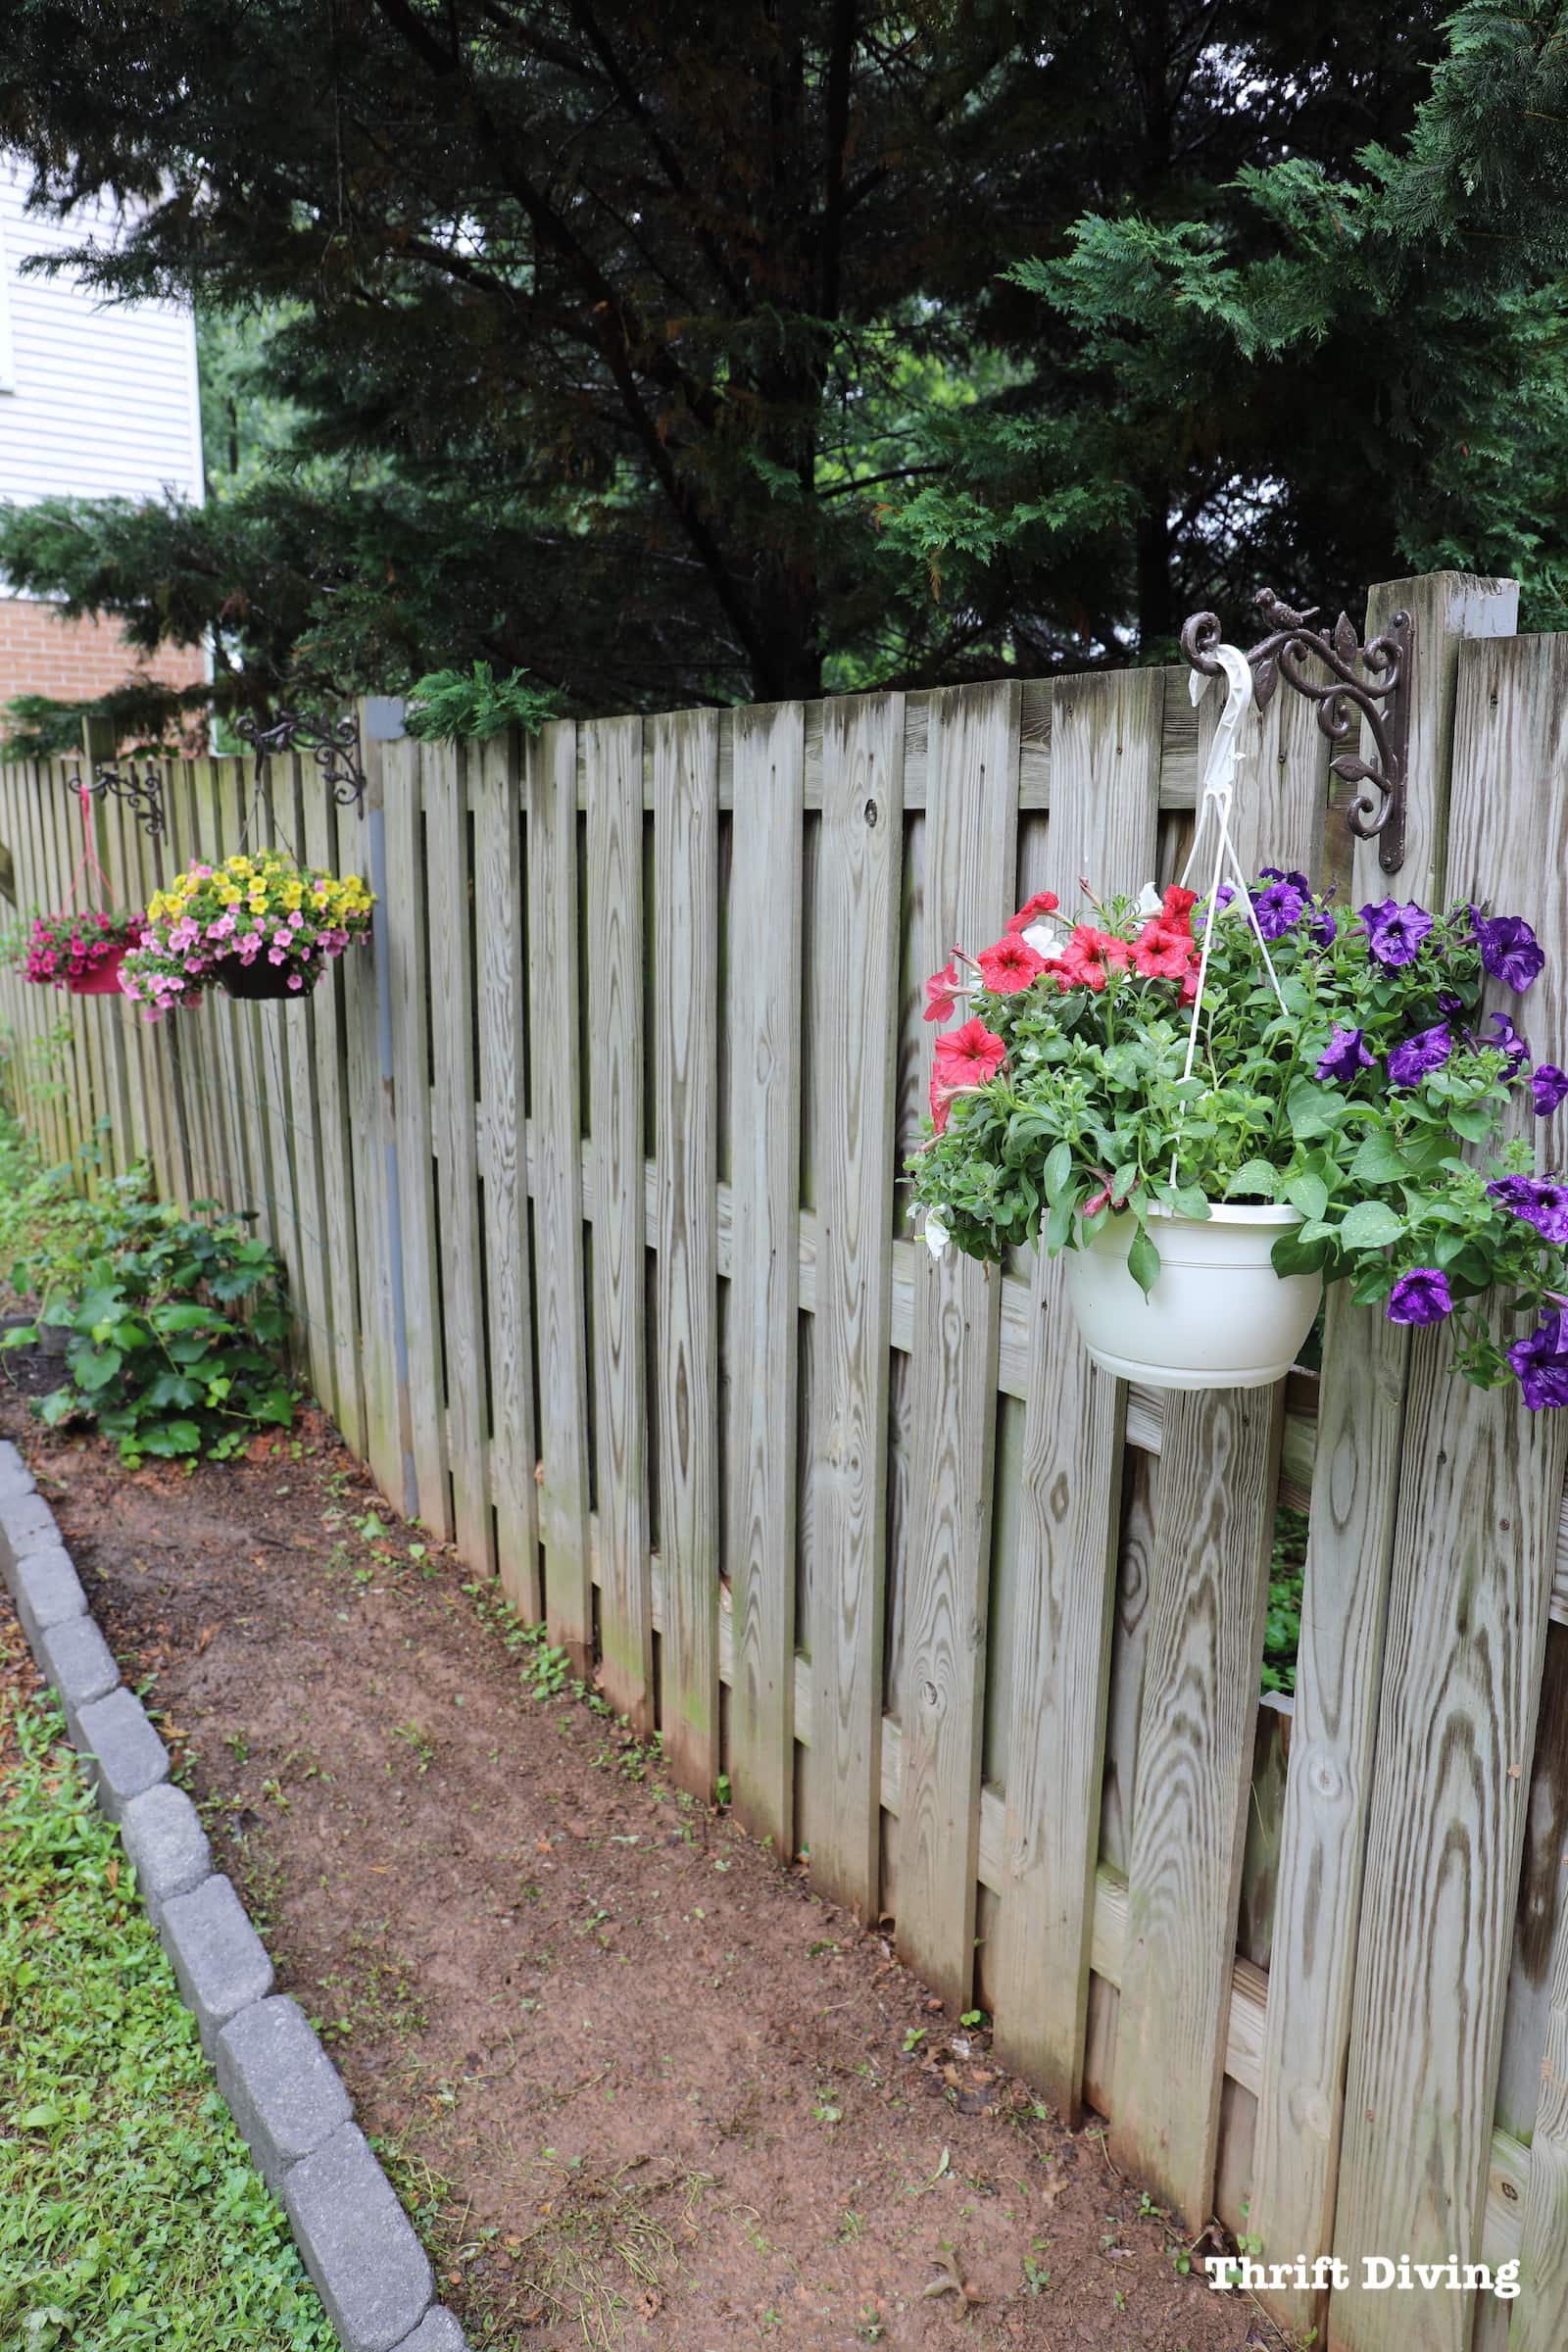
column 586, row 1181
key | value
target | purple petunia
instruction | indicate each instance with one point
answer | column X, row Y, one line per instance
column 1322, row 927
column 1550, row 1086
column 1542, row 1201
column 1449, row 1004
column 1429, row 1050
column 1542, row 1363
column 1509, row 950
column 1282, row 873
column 1280, row 908
column 1344, row 1055
column 1393, row 932
column 1507, row 1040
column 1420, row 1297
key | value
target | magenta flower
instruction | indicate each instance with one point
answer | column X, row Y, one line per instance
column 1344, row 1055
column 1420, row 1297
column 1410, row 1062
column 1393, row 932
column 1509, row 950
column 1542, row 1201
column 1542, row 1363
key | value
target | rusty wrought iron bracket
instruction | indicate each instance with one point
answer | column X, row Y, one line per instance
column 1366, row 682
column 143, row 795
column 332, row 743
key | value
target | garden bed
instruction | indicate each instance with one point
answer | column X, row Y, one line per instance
column 640, row 2085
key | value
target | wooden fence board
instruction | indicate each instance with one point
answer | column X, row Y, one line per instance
column 1214, row 1513
column 613, row 754
column 1350, row 1548
column 403, row 785
column 446, row 851
column 686, row 1079
column 972, row 811
column 331, row 847
column 855, row 931
column 503, row 1081
column 1104, row 759
column 1466, row 1632
column 1543, row 2300
column 289, row 1028
column 553, row 1031
column 764, row 1136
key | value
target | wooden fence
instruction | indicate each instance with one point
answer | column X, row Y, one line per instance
column 586, row 1177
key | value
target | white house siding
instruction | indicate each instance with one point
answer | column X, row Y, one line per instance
column 100, row 399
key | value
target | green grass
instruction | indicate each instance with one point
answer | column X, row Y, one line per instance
column 131, row 2218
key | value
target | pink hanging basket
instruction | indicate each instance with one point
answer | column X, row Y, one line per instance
column 103, row 980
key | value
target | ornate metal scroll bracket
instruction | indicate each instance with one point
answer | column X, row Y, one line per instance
column 143, row 795
column 332, row 743
column 1364, row 683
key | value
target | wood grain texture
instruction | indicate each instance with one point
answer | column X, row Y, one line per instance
column 855, row 932
column 685, row 751
column 331, row 847
column 402, row 784
column 372, row 1157
column 1105, row 762
column 554, row 1043
column 1214, row 1513
column 1360, row 1432
column 764, row 1142
column 1543, row 2301
column 1474, row 1548
column 613, row 752
column 971, row 813
column 458, row 1224
column 502, row 1092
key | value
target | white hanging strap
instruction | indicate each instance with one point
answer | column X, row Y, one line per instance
column 1214, row 811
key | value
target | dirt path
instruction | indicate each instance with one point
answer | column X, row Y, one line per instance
column 647, row 2089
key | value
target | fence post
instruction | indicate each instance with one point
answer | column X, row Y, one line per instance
column 1350, row 1535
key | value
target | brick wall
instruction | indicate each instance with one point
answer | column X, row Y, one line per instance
column 72, row 660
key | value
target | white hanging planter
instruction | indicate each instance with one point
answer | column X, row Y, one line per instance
column 1217, row 1316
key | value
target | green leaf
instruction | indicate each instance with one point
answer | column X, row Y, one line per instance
column 1255, row 1176
column 1378, row 1161
column 1189, row 1201
column 1058, row 1226
column 1143, row 1262
column 93, row 1368
column 1307, row 1193
column 1314, row 1110
column 1370, row 1225
column 170, row 1438
column 1057, row 1170
column 183, row 1318
column 57, row 1406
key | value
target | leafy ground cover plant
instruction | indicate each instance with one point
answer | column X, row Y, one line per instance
column 1372, row 1094
column 129, row 2212
column 246, row 910
column 156, row 1354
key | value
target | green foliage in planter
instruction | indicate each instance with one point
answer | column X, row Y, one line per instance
column 158, row 1356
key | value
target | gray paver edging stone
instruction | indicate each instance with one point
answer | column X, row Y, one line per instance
column 286, row 2096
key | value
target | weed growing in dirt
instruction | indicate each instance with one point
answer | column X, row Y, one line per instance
column 129, row 2212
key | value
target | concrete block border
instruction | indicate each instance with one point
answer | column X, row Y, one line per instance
column 285, row 2096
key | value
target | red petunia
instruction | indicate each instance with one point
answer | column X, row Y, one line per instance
column 1178, row 909
column 1090, row 954
column 941, row 1097
column 940, row 995
column 1044, row 901
column 1161, row 954
column 1009, row 965
column 970, row 1056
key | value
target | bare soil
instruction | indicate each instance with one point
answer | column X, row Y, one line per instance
column 637, row 2082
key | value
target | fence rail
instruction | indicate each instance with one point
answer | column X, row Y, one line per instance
column 585, row 1175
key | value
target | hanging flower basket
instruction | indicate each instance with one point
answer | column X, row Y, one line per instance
column 1214, row 1105
column 82, row 953
column 1217, row 1316
column 259, row 982
column 259, row 927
